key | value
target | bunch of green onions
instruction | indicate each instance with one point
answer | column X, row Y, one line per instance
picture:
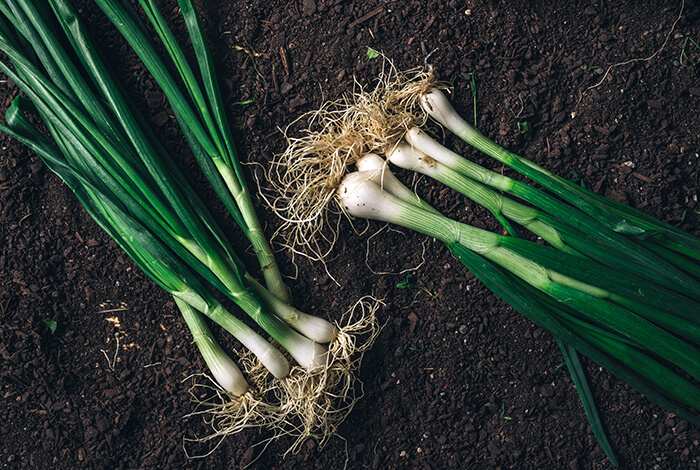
column 107, row 154
column 610, row 282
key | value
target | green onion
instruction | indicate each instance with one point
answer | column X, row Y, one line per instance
column 146, row 250
column 225, row 371
column 602, row 298
column 618, row 217
column 148, row 253
column 105, row 151
column 109, row 150
column 613, row 284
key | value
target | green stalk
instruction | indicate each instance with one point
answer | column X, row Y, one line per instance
column 45, row 95
column 270, row 269
column 504, row 209
column 133, row 124
column 677, row 387
column 558, row 233
column 130, row 177
column 567, row 219
column 362, row 198
column 619, row 284
column 548, row 315
column 223, row 168
column 687, row 262
column 616, row 216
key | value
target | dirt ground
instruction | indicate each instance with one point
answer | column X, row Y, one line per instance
column 458, row 380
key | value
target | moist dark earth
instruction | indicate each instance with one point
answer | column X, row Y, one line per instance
column 458, row 380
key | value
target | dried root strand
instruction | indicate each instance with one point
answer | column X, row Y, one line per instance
column 317, row 403
column 228, row 414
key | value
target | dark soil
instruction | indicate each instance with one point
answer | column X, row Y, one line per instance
column 458, row 382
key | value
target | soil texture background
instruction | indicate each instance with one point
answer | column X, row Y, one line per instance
column 456, row 379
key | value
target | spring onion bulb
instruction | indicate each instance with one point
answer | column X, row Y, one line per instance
column 383, row 176
column 362, row 197
column 315, row 328
column 438, row 107
column 225, row 371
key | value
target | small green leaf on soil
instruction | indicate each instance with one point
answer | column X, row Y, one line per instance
column 51, row 325
column 372, row 54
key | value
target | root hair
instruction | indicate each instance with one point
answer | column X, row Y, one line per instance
column 306, row 176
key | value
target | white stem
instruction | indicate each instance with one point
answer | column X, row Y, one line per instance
column 315, row 328
column 436, row 104
column 225, row 371
column 362, row 197
column 267, row 354
column 438, row 107
column 422, row 142
column 310, row 355
column 408, row 157
column 383, row 176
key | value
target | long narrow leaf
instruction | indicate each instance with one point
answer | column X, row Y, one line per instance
column 160, row 165
column 517, row 295
column 578, row 374
column 622, row 283
column 143, row 47
column 211, row 86
column 184, row 70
